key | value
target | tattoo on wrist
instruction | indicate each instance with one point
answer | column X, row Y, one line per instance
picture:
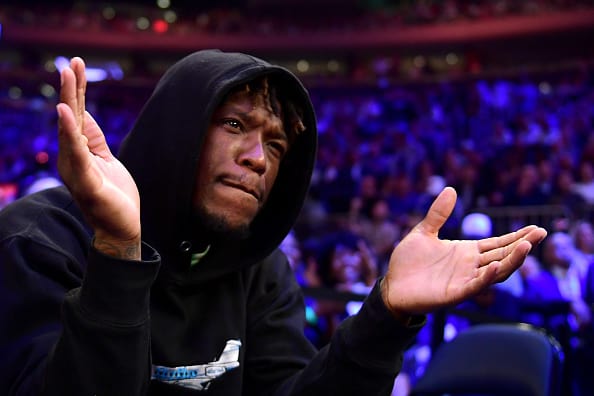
column 126, row 252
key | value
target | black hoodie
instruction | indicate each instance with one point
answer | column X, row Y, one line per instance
column 76, row 322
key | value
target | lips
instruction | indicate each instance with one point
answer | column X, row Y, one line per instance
column 242, row 186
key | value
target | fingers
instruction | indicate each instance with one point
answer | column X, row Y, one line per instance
column 508, row 258
column 68, row 87
column 513, row 261
column 73, row 150
column 440, row 210
column 78, row 66
column 73, row 88
column 96, row 139
column 485, row 277
column 497, row 248
column 503, row 240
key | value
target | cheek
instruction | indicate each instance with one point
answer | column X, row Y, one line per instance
column 213, row 153
column 269, row 180
column 204, row 179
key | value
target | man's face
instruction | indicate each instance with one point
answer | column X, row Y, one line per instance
column 347, row 264
column 238, row 165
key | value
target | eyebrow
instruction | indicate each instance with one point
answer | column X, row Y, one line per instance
column 279, row 133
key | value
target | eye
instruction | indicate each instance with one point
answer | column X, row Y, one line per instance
column 278, row 147
column 233, row 123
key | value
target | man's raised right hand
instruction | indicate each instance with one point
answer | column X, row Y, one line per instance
column 100, row 184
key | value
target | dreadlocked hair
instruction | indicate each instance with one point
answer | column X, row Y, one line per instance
column 265, row 92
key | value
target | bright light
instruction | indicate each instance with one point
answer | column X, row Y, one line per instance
column 160, row 26
column 303, row 66
column 42, row 157
column 142, row 23
column 15, row 92
column 163, row 3
column 49, row 66
column 61, row 63
column 419, row 61
column 108, row 13
column 170, row 16
column 114, row 70
column 94, row 73
column 333, row 66
column 47, row 90
column 545, row 88
column 451, row 59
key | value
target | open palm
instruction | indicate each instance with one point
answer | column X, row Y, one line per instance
column 427, row 273
column 101, row 185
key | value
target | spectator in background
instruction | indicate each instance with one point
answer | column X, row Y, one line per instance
column 346, row 264
column 582, row 233
column 381, row 232
column 305, row 268
column 468, row 184
column 560, row 259
column 306, row 272
column 362, row 203
column 335, row 185
column 530, row 269
column 546, row 176
column 587, row 355
column 584, row 184
column 553, row 300
column 526, row 191
column 564, row 194
column 400, row 196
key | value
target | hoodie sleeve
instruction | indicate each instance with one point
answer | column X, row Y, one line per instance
column 105, row 341
column 363, row 357
column 65, row 333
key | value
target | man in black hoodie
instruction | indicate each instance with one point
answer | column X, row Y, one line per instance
column 200, row 300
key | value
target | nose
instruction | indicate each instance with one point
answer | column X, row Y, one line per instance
column 253, row 155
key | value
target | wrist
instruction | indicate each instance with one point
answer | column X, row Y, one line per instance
column 401, row 316
column 118, row 248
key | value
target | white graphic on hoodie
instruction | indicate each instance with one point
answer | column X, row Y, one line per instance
column 199, row 376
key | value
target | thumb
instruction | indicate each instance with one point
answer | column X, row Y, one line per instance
column 440, row 210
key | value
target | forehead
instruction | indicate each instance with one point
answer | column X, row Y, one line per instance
column 253, row 110
column 242, row 97
column 257, row 91
column 278, row 98
column 250, row 109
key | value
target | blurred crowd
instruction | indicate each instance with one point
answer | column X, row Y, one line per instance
column 554, row 291
column 384, row 154
column 271, row 18
column 521, row 143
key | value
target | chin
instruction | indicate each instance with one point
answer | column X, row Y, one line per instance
column 223, row 226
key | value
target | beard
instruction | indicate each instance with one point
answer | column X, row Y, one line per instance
column 215, row 227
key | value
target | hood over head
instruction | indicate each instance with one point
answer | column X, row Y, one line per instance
column 162, row 150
